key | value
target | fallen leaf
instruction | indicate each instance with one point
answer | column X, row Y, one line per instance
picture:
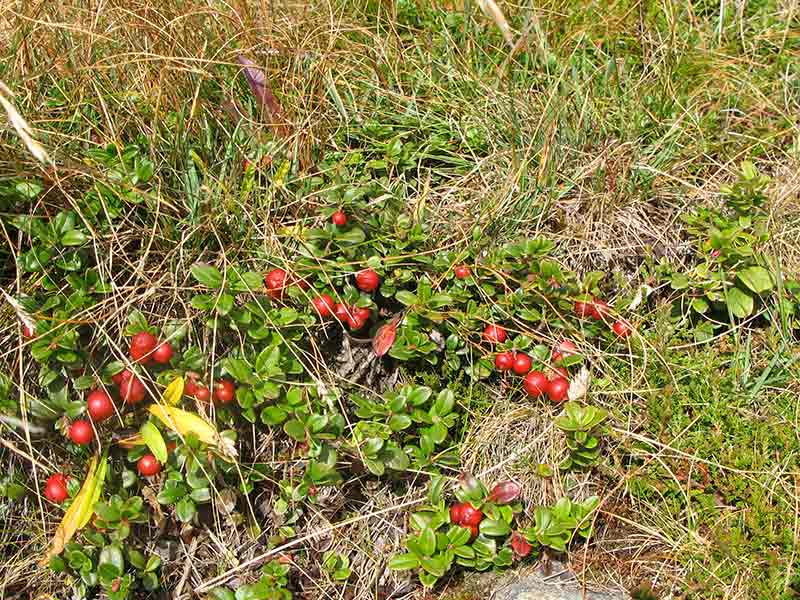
column 385, row 337
column 81, row 510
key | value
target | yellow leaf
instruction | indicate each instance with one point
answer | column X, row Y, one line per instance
column 99, row 480
column 81, row 509
column 174, row 392
column 184, row 423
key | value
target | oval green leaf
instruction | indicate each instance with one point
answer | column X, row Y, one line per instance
column 155, row 441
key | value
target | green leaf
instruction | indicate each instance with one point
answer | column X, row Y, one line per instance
column 444, row 403
column 739, row 302
column 185, row 509
column 425, row 579
column 679, row 281
column 238, row 369
column 155, row 441
column 700, row 305
column 355, row 235
column 458, row 535
column 152, row 563
column 224, row 304
column 404, row 562
column 112, row 556
column 207, row 275
column 273, row 415
column 464, row 551
column 494, row 527
column 221, row 594
column 427, row 541
column 757, row 279
column 399, row 422
column 201, row 495
column 295, row 430
column 439, row 300
column 75, row 237
column 171, row 492
column 405, row 297
column 434, row 565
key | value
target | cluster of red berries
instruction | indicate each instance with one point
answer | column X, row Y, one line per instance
column 599, row 311
column 367, row 280
column 144, row 349
column 536, row 383
column 224, row 389
column 464, row 514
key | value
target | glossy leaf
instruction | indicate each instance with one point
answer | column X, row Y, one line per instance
column 154, row 440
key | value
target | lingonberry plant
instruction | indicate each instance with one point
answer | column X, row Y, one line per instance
column 172, row 402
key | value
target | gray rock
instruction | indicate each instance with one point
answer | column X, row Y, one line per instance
column 552, row 581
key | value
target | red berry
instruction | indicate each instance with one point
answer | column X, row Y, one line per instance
column 28, row 332
column 494, row 334
column 224, row 391
column 131, row 390
column 504, row 361
column 142, row 345
column 99, row 406
column 202, row 393
column 565, row 348
column 163, row 353
column 535, row 383
column 560, row 372
column 557, row 389
column 462, row 271
column 367, row 280
column 121, row 376
column 276, row 283
column 473, row 531
column 80, row 432
column 356, row 322
column 600, row 309
column 583, row 309
column 339, row 218
column 190, row 387
column 470, row 515
column 341, row 312
column 621, row 328
column 55, row 488
column 148, row 465
column 361, row 312
column 456, row 513
column 323, row 305
column 522, row 364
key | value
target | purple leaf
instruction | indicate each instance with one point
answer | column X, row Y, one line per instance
column 261, row 89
